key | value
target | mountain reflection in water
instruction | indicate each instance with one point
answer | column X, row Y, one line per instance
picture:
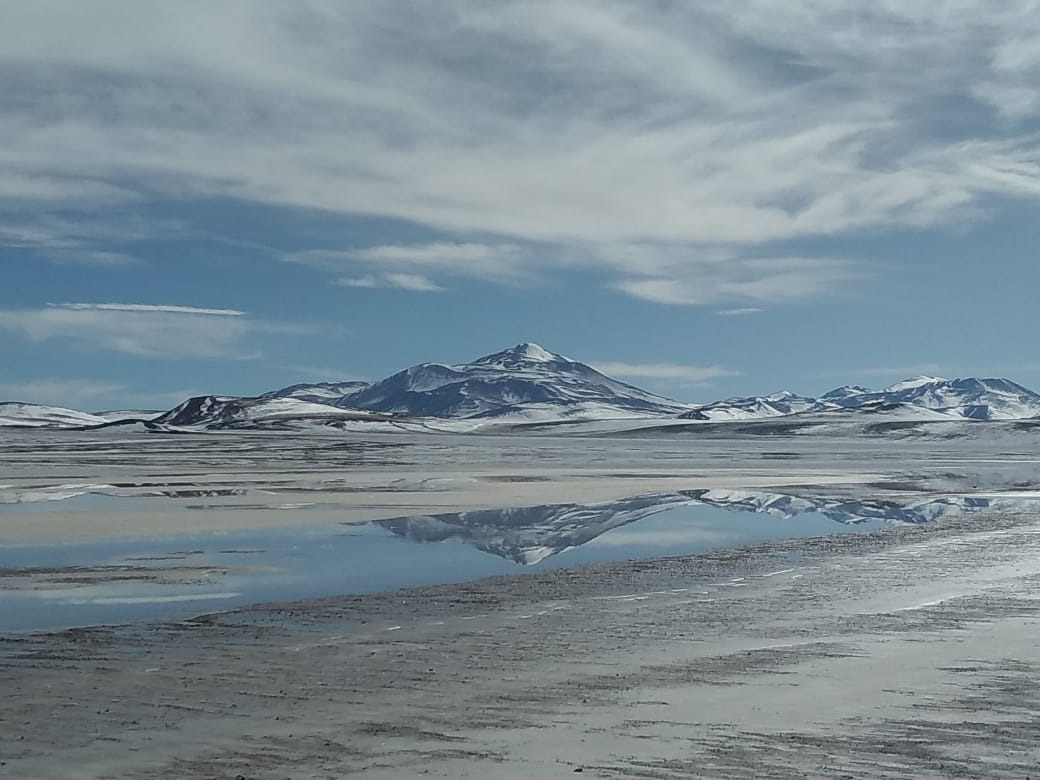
column 528, row 535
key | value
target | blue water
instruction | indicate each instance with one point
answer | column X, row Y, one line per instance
column 255, row 566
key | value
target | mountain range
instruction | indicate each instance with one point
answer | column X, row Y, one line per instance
column 528, row 384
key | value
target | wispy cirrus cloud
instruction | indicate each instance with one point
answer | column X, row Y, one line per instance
column 45, row 188
column 578, row 127
column 696, row 281
column 98, row 239
column 149, row 308
column 743, row 311
column 410, row 266
column 412, row 282
column 145, row 330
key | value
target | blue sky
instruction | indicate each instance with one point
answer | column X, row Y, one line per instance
column 704, row 199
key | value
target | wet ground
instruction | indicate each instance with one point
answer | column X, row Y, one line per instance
column 906, row 653
column 60, row 585
column 55, row 586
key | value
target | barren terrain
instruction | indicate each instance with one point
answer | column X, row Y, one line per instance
column 908, row 652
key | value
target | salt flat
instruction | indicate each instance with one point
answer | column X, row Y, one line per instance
column 307, row 479
column 910, row 653
column 906, row 652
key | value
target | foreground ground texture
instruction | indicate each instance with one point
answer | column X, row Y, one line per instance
column 914, row 652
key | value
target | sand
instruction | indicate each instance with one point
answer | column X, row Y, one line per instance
column 913, row 652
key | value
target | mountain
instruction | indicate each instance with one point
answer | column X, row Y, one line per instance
column 971, row 398
column 319, row 392
column 753, row 407
column 926, row 397
column 839, row 394
column 211, row 412
column 529, row 383
column 14, row 414
column 523, row 380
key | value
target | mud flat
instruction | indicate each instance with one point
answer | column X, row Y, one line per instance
column 910, row 652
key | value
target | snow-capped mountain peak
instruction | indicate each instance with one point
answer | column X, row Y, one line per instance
column 319, row 392
column 845, row 391
column 521, row 354
column 214, row 412
column 774, row 405
column 970, row 398
column 523, row 380
column 913, row 383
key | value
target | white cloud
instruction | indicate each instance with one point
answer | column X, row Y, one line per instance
column 436, row 254
column 408, row 266
column 678, row 280
column 673, row 371
column 66, row 191
column 411, row 282
column 741, row 312
column 142, row 329
column 100, row 239
column 575, row 128
column 148, row 307
column 369, row 282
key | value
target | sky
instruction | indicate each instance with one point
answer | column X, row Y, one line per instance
column 705, row 198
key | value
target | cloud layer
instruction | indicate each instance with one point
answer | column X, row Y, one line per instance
column 668, row 147
column 143, row 330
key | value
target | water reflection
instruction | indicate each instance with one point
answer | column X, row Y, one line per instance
column 56, row 585
column 529, row 535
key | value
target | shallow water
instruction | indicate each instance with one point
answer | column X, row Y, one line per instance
column 53, row 586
